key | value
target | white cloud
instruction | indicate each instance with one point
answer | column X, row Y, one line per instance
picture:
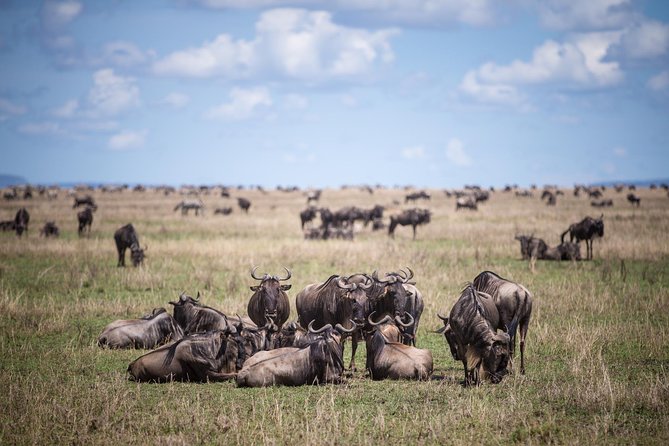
column 176, row 100
column 646, row 39
column 126, row 140
column 585, row 14
column 244, row 103
column 122, row 54
column 455, row 152
column 659, row 82
column 55, row 14
column 620, row 152
column 8, row 108
column 67, row 110
column 112, row 94
column 414, row 152
column 295, row 102
column 41, row 128
column 294, row 43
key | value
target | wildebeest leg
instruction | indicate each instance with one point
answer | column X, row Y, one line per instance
column 524, row 324
column 121, row 257
column 414, row 232
column 354, row 347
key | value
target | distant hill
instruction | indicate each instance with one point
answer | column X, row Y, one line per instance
column 10, row 180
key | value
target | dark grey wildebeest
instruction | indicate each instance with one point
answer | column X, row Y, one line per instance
column 21, row 220
column 412, row 217
column 269, row 299
column 126, row 237
column 244, row 204
column 587, row 229
column 85, row 219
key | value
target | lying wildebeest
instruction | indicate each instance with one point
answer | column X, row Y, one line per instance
column 86, row 200
column 531, row 247
column 563, row 251
column 413, row 217
column 390, row 296
column 484, row 352
column 193, row 317
column 49, row 229
column 126, row 237
column 223, row 211
column 147, row 332
column 338, row 300
column 186, row 205
column 307, row 215
column 85, row 219
column 269, row 299
column 289, row 335
column 602, row 203
column 387, row 358
column 416, row 196
column 587, row 229
column 21, row 220
column 7, row 225
column 466, row 202
column 200, row 357
column 319, row 362
column 244, row 204
column 633, row 199
column 514, row 304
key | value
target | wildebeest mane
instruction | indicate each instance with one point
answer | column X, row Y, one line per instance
column 204, row 319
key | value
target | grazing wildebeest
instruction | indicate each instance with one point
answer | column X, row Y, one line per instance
column 147, row 332
column 269, row 299
column 126, row 237
column 466, row 202
column 320, row 361
column 587, row 229
column 395, row 296
column 49, row 229
column 200, row 357
column 633, row 199
column 563, row 251
column 514, row 304
column 338, row 300
column 416, row 196
column 21, row 220
column 531, row 247
column 307, row 215
column 602, row 203
column 244, row 204
column 86, row 200
column 85, row 219
column 186, row 205
column 413, row 217
column 224, row 211
column 388, row 358
column 484, row 352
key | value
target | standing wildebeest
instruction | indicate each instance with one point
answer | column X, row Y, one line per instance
column 186, row 205
column 587, row 229
column 21, row 220
column 244, row 204
column 49, row 229
column 338, row 300
column 86, row 200
column 126, row 237
column 319, row 361
column 531, row 247
column 314, row 196
column 633, row 199
column 307, row 215
column 201, row 357
column 389, row 358
column 466, row 202
column 477, row 343
column 85, row 219
column 514, row 304
column 148, row 332
column 373, row 215
column 416, row 196
column 269, row 299
column 413, row 217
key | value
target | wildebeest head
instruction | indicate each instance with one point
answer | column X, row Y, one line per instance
column 448, row 334
column 183, row 308
column 496, row 358
column 599, row 226
column 271, row 292
column 394, row 291
column 326, row 351
column 356, row 287
column 137, row 255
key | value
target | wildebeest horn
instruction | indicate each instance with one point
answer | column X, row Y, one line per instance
column 375, row 276
column 310, row 328
column 368, row 283
column 253, row 274
column 408, row 324
column 340, row 328
column 346, row 286
column 408, row 276
column 288, row 276
column 382, row 321
column 443, row 318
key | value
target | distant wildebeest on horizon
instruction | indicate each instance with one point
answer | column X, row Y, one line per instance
column 85, row 219
column 314, row 195
column 269, row 299
column 602, row 203
column 466, row 202
column 244, row 204
column 412, row 217
column 223, row 211
column 633, row 199
column 49, row 230
column 21, row 220
column 126, row 237
column 85, row 200
column 187, row 205
column 416, row 196
column 587, row 229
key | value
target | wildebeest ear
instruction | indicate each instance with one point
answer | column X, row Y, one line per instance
column 255, row 288
column 285, row 287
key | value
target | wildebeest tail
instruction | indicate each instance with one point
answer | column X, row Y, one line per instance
column 563, row 234
column 392, row 226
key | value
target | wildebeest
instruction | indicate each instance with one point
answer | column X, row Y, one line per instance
column 314, row 195
column 85, row 219
column 587, row 229
column 416, row 196
column 307, row 215
column 289, row 335
column 531, row 247
column 602, row 203
column 338, row 300
column 413, row 217
column 21, row 220
column 319, row 362
column 49, row 229
column 186, row 205
column 388, row 358
column 514, row 304
column 269, row 299
column 466, row 202
column 126, row 237
column 86, row 200
column 244, row 204
column 147, row 332
column 373, row 215
column 633, row 199
column 200, row 357
column 563, row 251
column 396, row 297
column 484, row 352
column 193, row 317
column 223, row 211
column 7, row 225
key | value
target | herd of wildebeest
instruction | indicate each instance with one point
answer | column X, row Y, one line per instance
column 200, row 343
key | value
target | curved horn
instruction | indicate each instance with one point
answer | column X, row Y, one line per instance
column 369, row 283
column 340, row 328
column 408, row 324
column 382, row 321
column 375, row 276
column 409, row 276
column 443, row 318
column 346, row 286
column 253, row 274
column 288, row 276
column 310, row 328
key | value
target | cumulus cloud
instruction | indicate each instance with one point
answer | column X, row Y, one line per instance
column 127, row 139
column 455, row 152
column 414, row 152
column 243, row 104
column 121, row 54
column 56, row 14
column 176, row 100
column 67, row 110
column 585, row 15
column 112, row 94
column 644, row 40
column 659, row 82
column 293, row 43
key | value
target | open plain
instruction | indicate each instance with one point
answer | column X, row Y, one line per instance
column 597, row 354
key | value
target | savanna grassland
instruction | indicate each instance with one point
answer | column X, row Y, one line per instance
column 597, row 350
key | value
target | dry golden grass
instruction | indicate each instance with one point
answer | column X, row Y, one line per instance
column 597, row 349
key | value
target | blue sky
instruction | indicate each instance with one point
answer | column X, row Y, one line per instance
column 316, row 93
